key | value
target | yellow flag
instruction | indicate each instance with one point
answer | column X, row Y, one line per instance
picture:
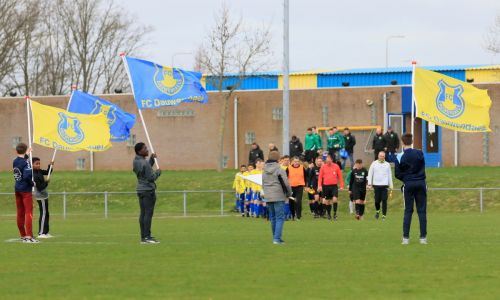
column 62, row 130
column 451, row 103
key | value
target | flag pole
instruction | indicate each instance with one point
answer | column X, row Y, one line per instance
column 28, row 113
column 414, row 64
column 122, row 55
column 73, row 88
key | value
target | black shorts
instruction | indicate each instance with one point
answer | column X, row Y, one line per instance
column 330, row 191
column 358, row 194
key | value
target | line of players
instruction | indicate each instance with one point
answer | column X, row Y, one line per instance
column 322, row 183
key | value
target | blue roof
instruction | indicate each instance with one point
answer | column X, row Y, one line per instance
column 403, row 69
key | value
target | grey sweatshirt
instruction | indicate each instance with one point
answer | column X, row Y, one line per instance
column 275, row 182
column 146, row 176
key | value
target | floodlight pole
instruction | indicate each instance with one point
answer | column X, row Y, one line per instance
column 286, row 65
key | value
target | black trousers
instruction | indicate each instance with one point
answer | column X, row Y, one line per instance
column 415, row 192
column 310, row 155
column 147, row 200
column 297, row 193
column 381, row 196
column 43, row 219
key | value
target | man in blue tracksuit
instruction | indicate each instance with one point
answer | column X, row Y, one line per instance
column 410, row 168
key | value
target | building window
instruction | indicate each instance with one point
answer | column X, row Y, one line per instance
column 224, row 161
column 249, row 137
column 15, row 140
column 80, row 164
column 131, row 140
column 278, row 113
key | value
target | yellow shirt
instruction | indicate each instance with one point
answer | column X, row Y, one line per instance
column 256, row 187
column 248, row 184
column 239, row 183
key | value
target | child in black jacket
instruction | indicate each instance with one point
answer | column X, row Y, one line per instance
column 42, row 197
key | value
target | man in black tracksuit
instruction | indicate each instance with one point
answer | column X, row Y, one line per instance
column 296, row 147
column 410, row 168
column 350, row 142
column 391, row 144
column 357, row 187
column 146, row 190
column 42, row 196
column 255, row 153
column 378, row 143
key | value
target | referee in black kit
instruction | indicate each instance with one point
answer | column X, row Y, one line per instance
column 410, row 168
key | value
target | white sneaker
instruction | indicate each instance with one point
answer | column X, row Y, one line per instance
column 405, row 241
column 45, row 236
column 423, row 241
column 31, row 240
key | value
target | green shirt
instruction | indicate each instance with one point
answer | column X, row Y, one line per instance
column 336, row 141
column 310, row 142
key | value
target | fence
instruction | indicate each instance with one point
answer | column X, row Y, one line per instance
column 221, row 202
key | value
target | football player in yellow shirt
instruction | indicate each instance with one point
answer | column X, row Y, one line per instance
column 239, row 187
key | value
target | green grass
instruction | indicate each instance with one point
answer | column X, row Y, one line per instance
column 233, row 258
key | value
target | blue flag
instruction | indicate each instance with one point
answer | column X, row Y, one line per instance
column 156, row 86
column 120, row 122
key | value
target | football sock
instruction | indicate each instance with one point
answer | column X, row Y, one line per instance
column 329, row 209
column 358, row 209
column 362, row 209
column 335, row 205
column 311, row 207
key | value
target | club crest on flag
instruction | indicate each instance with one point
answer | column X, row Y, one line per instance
column 107, row 110
column 69, row 129
column 449, row 100
column 168, row 80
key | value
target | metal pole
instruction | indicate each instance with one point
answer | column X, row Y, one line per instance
column 105, row 205
column 481, row 199
column 385, row 111
column 185, row 204
column 414, row 65
column 456, row 149
column 64, row 205
column 221, row 202
column 286, row 64
column 236, row 133
column 91, row 161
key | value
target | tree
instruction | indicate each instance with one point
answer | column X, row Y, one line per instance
column 10, row 30
column 492, row 38
column 231, row 47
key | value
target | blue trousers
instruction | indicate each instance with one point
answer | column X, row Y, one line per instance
column 277, row 218
column 415, row 192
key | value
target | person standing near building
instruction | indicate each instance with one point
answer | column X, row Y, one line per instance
column 410, row 169
column 391, row 144
column 255, row 153
column 146, row 190
column 23, row 175
column 297, row 178
column 311, row 146
column 378, row 143
column 329, row 178
column 350, row 142
column 272, row 147
column 276, row 190
column 380, row 178
column 296, row 148
column 357, row 187
column 335, row 143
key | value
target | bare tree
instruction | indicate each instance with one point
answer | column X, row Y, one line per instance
column 231, row 47
column 95, row 32
column 10, row 30
column 492, row 38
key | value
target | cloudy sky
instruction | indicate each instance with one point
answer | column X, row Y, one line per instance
column 331, row 34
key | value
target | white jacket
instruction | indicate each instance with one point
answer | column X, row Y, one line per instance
column 380, row 174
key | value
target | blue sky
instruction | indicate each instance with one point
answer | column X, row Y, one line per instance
column 331, row 34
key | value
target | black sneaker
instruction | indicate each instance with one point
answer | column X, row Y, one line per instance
column 149, row 240
column 335, row 217
column 329, row 217
column 377, row 215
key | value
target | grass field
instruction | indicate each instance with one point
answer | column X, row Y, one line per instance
column 233, row 258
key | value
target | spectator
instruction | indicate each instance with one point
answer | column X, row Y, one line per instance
column 255, row 153
column 350, row 142
column 391, row 144
column 276, row 190
column 378, row 143
column 272, row 147
column 296, row 147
